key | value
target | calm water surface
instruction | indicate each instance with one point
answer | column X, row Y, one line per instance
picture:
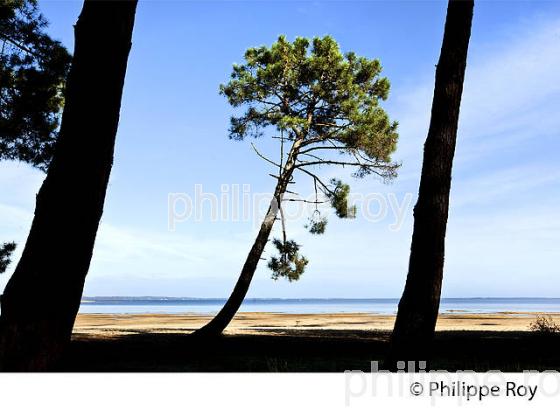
column 379, row 306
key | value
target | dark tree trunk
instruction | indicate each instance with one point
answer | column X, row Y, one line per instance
column 418, row 307
column 217, row 325
column 42, row 298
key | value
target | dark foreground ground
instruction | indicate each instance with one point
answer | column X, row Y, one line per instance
column 306, row 351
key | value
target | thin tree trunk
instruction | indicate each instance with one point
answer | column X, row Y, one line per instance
column 42, row 298
column 419, row 305
column 217, row 325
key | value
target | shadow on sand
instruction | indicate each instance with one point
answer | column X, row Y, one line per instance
column 305, row 350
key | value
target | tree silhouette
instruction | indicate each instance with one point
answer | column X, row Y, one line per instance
column 33, row 70
column 419, row 305
column 43, row 295
column 323, row 109
column 5, row 253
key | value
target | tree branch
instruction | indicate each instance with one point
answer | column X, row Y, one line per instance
column 21, row 47
column 312, row 156
column 338, row 147
column 283, row 220
column 330, row 162
column 265, row 158
column 371, row 168
column 316, row 179
column 304, row 200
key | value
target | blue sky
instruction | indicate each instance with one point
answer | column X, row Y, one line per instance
column 504, row 222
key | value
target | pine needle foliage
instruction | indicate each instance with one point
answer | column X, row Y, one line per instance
column 324, row 108
column 6, row 251
column 33, row 69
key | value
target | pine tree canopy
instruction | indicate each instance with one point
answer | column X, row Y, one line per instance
column 33, row 69
column 327, row 106
column 313, row 91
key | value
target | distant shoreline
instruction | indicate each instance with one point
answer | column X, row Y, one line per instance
column 181, row 305
column 188, row 298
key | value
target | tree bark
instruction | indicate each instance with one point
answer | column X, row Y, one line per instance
column 419, row 305
column 43, row 296
column 217, row 325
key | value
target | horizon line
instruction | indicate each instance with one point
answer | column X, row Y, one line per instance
column 308, row 298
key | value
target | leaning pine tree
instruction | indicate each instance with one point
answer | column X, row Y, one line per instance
column 323, row 109
column 42, row 297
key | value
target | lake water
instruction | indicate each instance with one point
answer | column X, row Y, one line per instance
column 379, row 306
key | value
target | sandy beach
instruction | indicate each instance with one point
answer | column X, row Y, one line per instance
column 254, row 323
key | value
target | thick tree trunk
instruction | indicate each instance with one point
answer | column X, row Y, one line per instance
column 217, row 325
column 42, row 298
column 419, row 305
